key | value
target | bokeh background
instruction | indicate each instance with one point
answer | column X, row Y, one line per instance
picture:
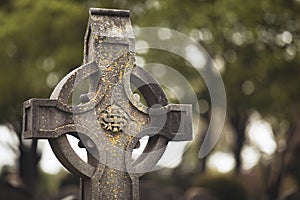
column 255, row 46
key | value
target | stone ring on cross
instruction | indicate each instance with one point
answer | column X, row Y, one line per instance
column 110, row 119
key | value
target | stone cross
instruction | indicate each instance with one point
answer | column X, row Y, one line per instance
column 110, row 119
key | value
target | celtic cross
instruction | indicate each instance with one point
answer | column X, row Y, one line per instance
column 110, row 119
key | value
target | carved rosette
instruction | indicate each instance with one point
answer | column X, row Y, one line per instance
column 113, row 119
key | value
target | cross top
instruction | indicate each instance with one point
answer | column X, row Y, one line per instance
column 110, row 120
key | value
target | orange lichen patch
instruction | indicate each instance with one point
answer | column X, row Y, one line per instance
column 114, row 139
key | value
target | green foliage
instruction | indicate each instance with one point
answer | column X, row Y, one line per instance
column 41, row 41
column 50, row 184
column 252, row 38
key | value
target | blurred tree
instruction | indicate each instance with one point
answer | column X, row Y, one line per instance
column 41, row 41
column 255, row 44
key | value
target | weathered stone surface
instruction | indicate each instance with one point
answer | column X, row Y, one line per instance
column 110, row 120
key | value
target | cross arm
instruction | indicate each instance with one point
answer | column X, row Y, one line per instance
column 175, row 121
column 45, row 119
